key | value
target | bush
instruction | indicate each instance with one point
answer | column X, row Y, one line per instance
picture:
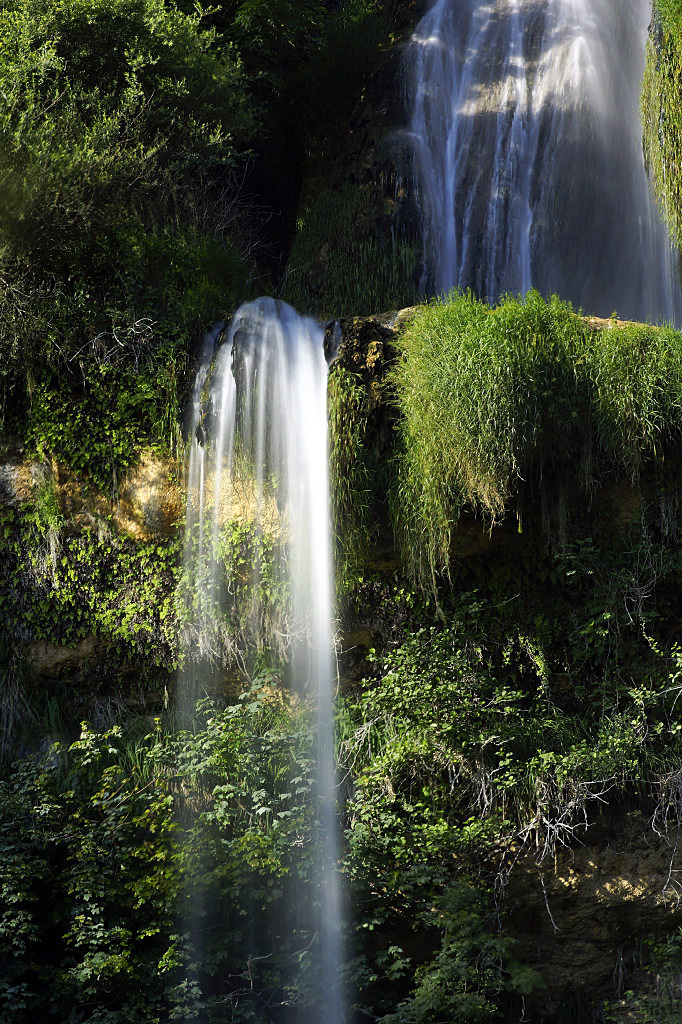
column 108, row 109
column 661, row 111
column 145, row 879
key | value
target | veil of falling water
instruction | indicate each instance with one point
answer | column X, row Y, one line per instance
column 526, row 128
column 259, row 430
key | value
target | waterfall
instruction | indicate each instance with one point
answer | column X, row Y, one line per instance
column 259, row 449
column 526, row 132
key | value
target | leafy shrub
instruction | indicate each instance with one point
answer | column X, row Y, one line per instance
column 123, row 124
column 107, row 107
column 145, row 880
column 462, row 750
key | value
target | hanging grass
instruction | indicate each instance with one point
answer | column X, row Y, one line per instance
column 670, row 12
column 498, row 401
column 662, row 111
column 636, row 379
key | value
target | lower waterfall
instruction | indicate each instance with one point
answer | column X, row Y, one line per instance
column 259, row 451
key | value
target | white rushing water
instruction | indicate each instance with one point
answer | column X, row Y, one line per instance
column 526, row 128
column 259, row 430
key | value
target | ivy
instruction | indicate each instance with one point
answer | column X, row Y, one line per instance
column 62, row 587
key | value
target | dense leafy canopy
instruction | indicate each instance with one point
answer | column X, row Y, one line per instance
column 109, row 110
column 131, row 134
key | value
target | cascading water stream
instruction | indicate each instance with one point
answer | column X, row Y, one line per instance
column 526, row 130
column 260, row 449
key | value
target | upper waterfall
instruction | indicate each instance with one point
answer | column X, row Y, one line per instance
column 526, row 128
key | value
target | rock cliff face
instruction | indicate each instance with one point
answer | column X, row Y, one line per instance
column 580, row 917
column 148, row 503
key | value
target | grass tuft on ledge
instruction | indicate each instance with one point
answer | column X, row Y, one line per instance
column 496, row 401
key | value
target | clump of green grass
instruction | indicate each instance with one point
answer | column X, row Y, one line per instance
column 662, row 112
column 339, row 264
column 349, row 470
column 670, row 12
column 635, row 377
column 497, row 400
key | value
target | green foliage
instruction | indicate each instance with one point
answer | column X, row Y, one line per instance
column 278, row 34
column 351, row 492
column 670, row 12
column 340, row 264
column 60, row 586
column 470, row 972
column 144, row 602
column 106, row 107
column 448, row 734
column 463, row 744
column 131, row 875
column 45, row 515
column 86, row 876
column 460, row 744
column 124, row 125
column 99, row 430
column 466, row 713
column 126, row 129
column 426, row 743
column 635, row 375
column 657, row 997
column 661, row 111
column 172, row 868
column 497, row 400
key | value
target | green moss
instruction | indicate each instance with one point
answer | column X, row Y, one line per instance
column 349, row 471
column 662, row 112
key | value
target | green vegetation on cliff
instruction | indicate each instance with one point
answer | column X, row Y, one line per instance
column 482, row 737
column 510, row 692
column 662, row 111
column 148, row 170
column 123, row 126
column 501, row 402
